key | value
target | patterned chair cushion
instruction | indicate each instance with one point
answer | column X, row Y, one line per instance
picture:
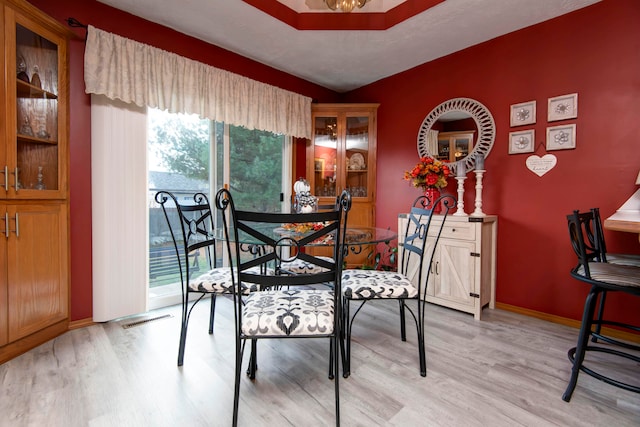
column 374, row 284
column 624, row 259
column 280, row 313
column 298, row 266
column 218, row 281
column 621, row 275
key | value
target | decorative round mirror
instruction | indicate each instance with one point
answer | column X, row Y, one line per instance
column 456, row 131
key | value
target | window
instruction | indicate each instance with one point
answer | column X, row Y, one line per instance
column 188, row 155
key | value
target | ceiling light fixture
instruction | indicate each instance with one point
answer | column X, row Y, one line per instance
column 345, row 5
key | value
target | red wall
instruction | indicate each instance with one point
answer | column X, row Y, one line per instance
column 594, row 52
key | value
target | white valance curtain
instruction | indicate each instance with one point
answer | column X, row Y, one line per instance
column 133, row 72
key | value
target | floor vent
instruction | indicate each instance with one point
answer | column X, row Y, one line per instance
column 144, row 321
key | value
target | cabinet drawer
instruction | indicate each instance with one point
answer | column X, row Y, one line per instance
column 454, row 230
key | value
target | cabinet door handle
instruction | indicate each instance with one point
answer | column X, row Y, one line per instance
column 15, row 184
column 5, row 171
column 6, row 224
column 434, row 267
column 17, row 230
column 437, row 262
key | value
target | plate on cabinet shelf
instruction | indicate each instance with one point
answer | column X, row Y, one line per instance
column 356, row 162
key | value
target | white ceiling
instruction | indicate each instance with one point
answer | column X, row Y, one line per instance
column 346, row 60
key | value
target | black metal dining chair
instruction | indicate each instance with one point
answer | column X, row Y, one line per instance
column 421, row 237
column 287, row 305
column 602, row 277
column 191, row 228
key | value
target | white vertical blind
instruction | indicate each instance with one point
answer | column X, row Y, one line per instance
column 119, row 206
column 432, row 141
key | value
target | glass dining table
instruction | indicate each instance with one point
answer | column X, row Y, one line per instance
column 357, row 237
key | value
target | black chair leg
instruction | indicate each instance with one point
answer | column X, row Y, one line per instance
column 334, row 342
column 421, row 355
column 346, row 333
column 236, row 389
column 212, row 313
column 599, row 318
column 253, row 362
column 341, row 339
column 331, row 366
column 183, row 334
column 183, row 339
column 576, row 354
column 403, row 329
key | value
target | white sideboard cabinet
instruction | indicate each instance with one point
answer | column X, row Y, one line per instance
column 463, row 271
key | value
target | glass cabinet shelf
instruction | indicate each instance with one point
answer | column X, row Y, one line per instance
column 27, row 90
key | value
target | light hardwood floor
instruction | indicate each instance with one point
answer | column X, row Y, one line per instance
column 507, row 370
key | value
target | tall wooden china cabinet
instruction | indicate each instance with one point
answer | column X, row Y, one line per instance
column 34, row 282
column 342, row 155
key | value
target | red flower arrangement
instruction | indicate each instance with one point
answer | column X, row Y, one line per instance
column 428, row 173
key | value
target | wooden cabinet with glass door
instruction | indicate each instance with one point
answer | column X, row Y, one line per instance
column 34, row 282
column 453, row 146
column 342, row 155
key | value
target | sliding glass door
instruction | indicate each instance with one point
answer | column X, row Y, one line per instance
column 253, row 165
column 189, row 155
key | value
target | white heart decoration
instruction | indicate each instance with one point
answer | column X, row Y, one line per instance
column 541, row 165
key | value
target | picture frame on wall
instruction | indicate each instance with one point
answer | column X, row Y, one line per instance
column 562, row 107
column 523, row 113
column 561, row 137
column 522, row 141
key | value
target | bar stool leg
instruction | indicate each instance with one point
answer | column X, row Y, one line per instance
column 598, row 328
column 576, row 354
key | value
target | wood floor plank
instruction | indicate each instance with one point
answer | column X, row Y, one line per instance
column 507, row 370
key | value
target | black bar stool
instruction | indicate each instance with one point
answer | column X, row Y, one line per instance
column 603, row 278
